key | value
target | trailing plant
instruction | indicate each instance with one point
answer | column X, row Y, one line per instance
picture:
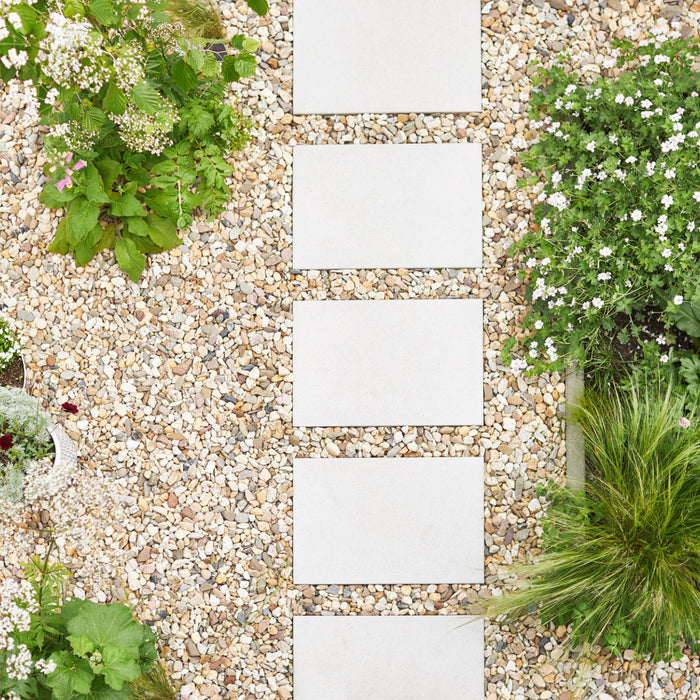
column 66, row 649
column 614, row 225
column 621, row 561
column 10, row 345
column 138, row 127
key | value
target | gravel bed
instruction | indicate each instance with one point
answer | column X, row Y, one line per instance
column 184, row 381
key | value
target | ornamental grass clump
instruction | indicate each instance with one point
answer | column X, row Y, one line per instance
column 613, row 252
column 621, row 562
column 138, row 128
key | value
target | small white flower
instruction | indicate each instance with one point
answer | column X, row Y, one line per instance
column 590, row 146
column 629, row 101
column 605, row 252
column 539, row 324
column 597, row 302
column 678, row 299
column 670, row 173
column 663, row 358
column 585, row 305
column 619, row 98
column 658, row 82
column 531, row 262
column 661, row 340
column 556, row 178
column 604, row 276
column 631, row 159
column 636, row 215
column 667, row 200
column 545, row 262
column 651, row 167
column 666, row 252
column 613, row 138
column 668, row 268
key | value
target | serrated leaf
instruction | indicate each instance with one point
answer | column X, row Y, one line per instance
column 82, row 646
column 250, row 45
column 53, row 198
column 103, row 11
column 146, row 98
column 127, row 205
column 110, row 170
column 184, row 76
column 93, row 119
column 228, row 70
column 237, row 41
column 120, row 665
column 163, row 232
column 115, row 101
column 195, row 58
column 81, row 218
column 59, row 244
column 260, row 7
column 210, row 67
column 245, row 65
column 73, row 8
column 71, row 676
column 130, row 259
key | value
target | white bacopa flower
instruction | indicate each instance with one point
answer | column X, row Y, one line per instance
column 631, row 159
column 590, row 146
column 636, row 215
column 518, row 365
column 539, row 324
column 678, row 299
column 696, row 196
column 663, row 358
column 604, row 276
column 667, row 200
column 661, row 58
column 629, row 101
column 558, row 200
column 569, row 89
column 681, row 245
column 556, row 177
column 605, row 252
column 646, row 104
column 613, row 138
column 661, row 340
column 666, row 252
column 531, row 262
column 544, row 262
column 597, row 302
column 620, row 175
column 619, row 98
column 670, row 173
column 585, row 305
column 668, row 268
column 658, row 82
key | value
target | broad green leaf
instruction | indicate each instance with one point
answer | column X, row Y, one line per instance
column 146, row 98
column 110, row 170
column 146, row 245
column 59, row 244
column 184, row 76
column 82, row 646
column 107, row 240
column 127, row 205
column 250, row 45
column 237, row 41
column 228, row 70
column 260, row 7
column 81, row 218
column 93, row 119
column 163, row 232
column 115, row 101
column 28, row 16
column 195, row 58
column 103, row 11
column 120, row 665
column 137, row 225
column 71, row 676
column 210, row 67
column 94, row 187
column 73, row 8
column 245, row 65
column 161, row 202
column 130, row 259
column 687, row 318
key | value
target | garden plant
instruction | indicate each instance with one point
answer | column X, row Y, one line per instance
column 137, row 126
column 11, row 369
column 612, row 263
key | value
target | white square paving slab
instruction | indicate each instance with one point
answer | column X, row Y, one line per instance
column 389, row 56
column 399, row 362
column 436, row 657
column 379, row 206
column 389, row 520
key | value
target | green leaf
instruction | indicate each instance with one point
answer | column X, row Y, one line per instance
column 59, row 244
column 250, row 45
column 137, row 225
column 260, row 7
column 210, row 66
column 120, row 666
column 94, row 187
column 245, row 65
column 73, row 8
column 103, row 12
column 228, row 70
column 110, row 170
column 82, row 646
column 687, row 318
column 237, row 41
column 127, row 205
column 53, row 198
column 184, row 77
column 71, row 676
column 146, row 98
column 130, row 258
column 28, row 15
column 115, row 101
column 93, row 119
column 81, row 218
column 163, row 232
column 195, row 58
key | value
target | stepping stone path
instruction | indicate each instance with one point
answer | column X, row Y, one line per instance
column 388, row 57
column 387, row 362
column 373, row 206
column 389, row 521
column 388, row 658
column 401, row 362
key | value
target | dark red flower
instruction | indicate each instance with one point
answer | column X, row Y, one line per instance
column 69, row 407
column 5, row 442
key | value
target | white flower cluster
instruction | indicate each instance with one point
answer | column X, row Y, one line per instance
column 72, row 54
column 128, row 70
column 10, row 345
column 73, row 136
column 146, row 132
